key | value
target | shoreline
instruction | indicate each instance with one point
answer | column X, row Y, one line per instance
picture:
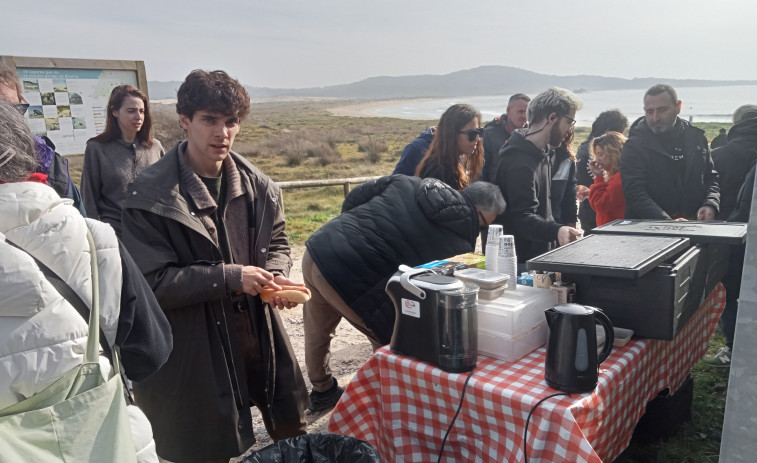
column 368, row 108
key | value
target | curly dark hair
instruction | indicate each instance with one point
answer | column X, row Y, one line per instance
column 213, row 91
column 608, row 121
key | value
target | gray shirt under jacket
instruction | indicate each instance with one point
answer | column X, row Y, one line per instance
column 108, row 172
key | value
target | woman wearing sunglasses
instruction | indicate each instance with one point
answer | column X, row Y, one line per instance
column 113, row 159
column 456, row 155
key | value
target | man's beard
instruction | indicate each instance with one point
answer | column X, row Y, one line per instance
column 659, row 129
column 556, row 136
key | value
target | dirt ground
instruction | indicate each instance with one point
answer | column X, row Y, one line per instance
column 349, row 351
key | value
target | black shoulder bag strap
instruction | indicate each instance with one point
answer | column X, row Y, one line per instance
column 69, row 294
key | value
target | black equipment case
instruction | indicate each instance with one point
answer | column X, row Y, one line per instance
column 649, row 284
column 717, row 239
column 656, row 305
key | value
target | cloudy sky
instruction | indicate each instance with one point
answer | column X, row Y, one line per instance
column 297, row 43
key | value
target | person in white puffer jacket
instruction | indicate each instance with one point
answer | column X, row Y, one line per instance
column 42, row 336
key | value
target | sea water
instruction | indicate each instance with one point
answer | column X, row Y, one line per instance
column 700, row 104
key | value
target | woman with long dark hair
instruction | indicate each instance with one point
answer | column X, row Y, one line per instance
column 113, row 159
column 456, row 155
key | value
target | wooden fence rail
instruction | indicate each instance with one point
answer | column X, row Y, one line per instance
column 345, row 182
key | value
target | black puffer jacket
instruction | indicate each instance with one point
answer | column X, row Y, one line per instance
column 525, row 178
column 650, row 177
column 384, row 223
column 495, row 135
column 733, row 161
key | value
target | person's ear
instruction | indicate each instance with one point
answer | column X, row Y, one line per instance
column 184, row 121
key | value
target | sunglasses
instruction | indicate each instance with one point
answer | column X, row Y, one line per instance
column 21, row 107
column 473, row 133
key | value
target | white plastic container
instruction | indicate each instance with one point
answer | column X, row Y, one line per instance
column 516, row 312
column 485, row 279
column 509, row 348
column 490, row 294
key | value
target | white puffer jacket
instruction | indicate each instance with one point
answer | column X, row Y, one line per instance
column 41, row 335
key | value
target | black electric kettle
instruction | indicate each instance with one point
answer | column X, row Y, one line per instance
column 572, row 361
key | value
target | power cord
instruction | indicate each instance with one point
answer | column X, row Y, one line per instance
column 459, row 406
column 525, row 432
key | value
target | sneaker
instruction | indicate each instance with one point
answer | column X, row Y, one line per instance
column 721, row 360
column 325, row 400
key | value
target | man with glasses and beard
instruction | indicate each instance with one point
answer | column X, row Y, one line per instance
column 666, row 167
column 524, row 174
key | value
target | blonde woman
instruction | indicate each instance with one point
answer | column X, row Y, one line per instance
column 606, row 194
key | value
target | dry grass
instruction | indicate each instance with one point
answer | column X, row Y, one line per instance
column 372, row 149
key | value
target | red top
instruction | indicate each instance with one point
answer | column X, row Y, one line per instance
column 606, row 198
column 36, row 177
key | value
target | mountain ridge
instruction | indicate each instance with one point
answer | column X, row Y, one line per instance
column 479, row 81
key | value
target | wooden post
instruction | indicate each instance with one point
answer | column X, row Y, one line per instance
column 346, row 188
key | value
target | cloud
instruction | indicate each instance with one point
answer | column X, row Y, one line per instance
column 324, row 42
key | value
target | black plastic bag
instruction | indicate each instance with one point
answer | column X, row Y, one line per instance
column 316, row 448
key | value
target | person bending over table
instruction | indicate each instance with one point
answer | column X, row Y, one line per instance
column 384, row 223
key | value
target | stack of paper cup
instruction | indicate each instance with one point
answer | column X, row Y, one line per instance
column 492, row 247
column 507, row 261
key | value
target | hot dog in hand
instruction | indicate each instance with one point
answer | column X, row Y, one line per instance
column 297, row 294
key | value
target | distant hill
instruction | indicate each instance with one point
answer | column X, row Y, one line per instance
column 483, row 80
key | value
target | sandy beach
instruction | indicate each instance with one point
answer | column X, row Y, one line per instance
column 368, row 108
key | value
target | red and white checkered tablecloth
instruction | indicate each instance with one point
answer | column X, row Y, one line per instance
column 403, row 406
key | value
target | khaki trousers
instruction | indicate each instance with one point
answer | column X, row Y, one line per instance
column 321, row 314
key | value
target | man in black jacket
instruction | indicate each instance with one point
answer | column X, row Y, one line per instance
column 384, row 223
column 498, row 131
column 733, row 161
column 207, row 230
column 666, row 167
column 720, row 140
column 524, row 174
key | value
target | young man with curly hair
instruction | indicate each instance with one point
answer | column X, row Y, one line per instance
column 206, row 229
